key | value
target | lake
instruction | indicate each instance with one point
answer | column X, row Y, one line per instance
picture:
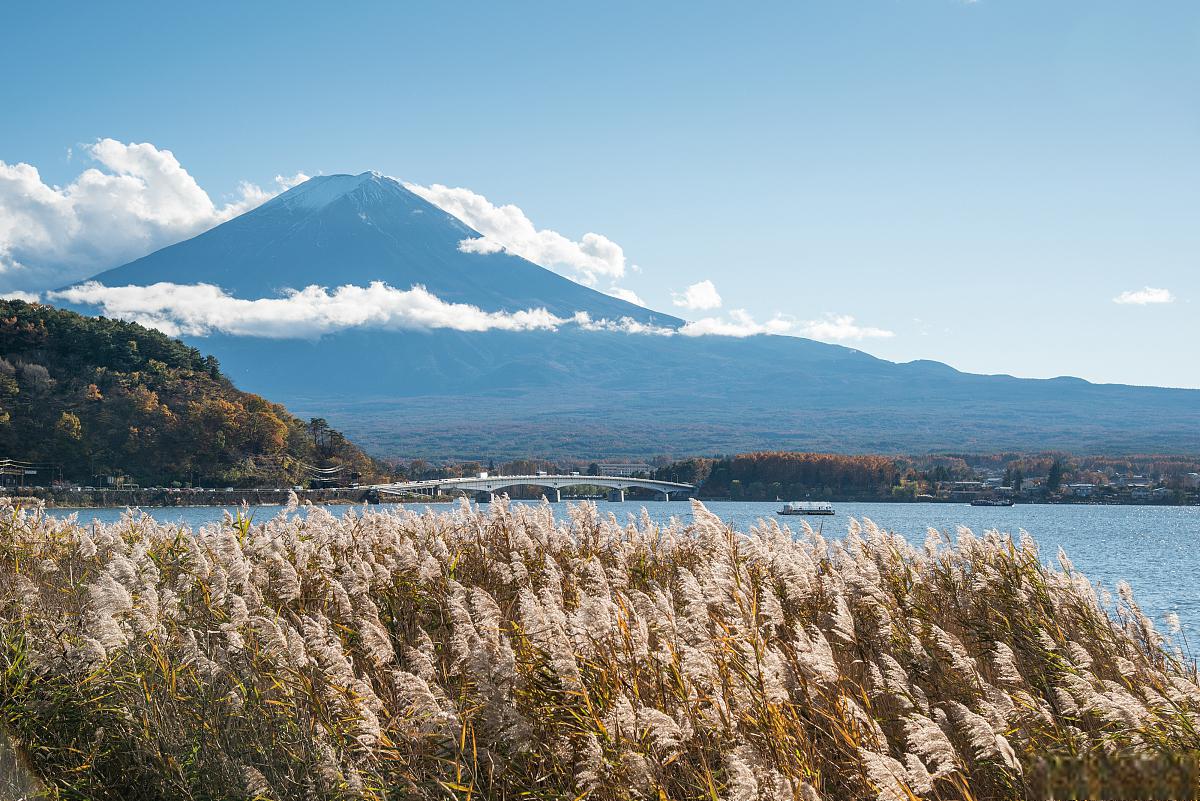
column 1155, row 548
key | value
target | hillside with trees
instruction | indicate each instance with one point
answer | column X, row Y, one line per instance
column 86, row 398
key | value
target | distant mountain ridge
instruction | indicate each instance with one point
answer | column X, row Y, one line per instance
column 572, row 392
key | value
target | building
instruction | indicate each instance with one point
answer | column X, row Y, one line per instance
column 1081, row 490
column 14, row 473
column 965, row 490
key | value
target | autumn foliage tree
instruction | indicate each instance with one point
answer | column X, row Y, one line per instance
column 767, row 475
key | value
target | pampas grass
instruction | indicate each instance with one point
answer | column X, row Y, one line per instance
column 500, row 654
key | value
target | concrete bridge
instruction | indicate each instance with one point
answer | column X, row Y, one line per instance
column 484, row 486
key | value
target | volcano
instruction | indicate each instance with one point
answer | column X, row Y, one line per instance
column 354, row 229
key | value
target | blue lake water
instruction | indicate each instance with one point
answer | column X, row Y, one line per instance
column 1155, row 548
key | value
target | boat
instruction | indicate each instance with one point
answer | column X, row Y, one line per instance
column 806, row 508
column 993, row 502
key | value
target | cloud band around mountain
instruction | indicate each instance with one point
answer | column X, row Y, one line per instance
column 312, row 312
column 309, row 313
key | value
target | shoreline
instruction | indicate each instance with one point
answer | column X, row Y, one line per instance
column 164, row 499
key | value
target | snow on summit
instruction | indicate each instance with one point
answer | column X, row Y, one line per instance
column 322, row 190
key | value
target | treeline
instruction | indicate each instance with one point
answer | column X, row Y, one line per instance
column 790, row 476
column 767, row 476
column 1162, row 469
column 91, row 397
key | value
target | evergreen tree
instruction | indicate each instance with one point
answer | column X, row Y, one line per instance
column 1054, row 477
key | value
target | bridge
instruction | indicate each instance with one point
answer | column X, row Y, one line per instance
column 485, row 486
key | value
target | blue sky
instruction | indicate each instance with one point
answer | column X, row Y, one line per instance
column 980, row 179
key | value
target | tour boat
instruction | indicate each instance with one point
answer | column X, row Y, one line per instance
column 992, row 502
column 806, row 508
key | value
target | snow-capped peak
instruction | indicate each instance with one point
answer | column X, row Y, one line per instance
column 318, row 192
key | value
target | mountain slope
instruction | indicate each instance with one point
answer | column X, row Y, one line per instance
column 574, row 392
column 355, row 229
column 103, row 397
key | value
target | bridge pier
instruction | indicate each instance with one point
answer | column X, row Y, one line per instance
column 555, row 495
column 666, row 496
column 617, row 496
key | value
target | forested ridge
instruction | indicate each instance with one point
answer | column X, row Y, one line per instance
column 90, row 396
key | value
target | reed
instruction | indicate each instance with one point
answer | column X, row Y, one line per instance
column 499, row 654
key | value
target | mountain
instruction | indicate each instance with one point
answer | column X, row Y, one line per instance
column 574, row 392
column 355, row 229
column 103, row 397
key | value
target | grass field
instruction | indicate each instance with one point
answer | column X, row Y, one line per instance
column 498, row 654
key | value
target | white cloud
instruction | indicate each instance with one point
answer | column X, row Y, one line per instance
column 481, row 245
column 139, row 199
column 16, row 294
column 627, row 295
column 1144, row 296
column 698, row 296
column 593, row 258
column 286, row 182
column 739, row 323
column 625, row 325
column 202, row 309
column 841, row 328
